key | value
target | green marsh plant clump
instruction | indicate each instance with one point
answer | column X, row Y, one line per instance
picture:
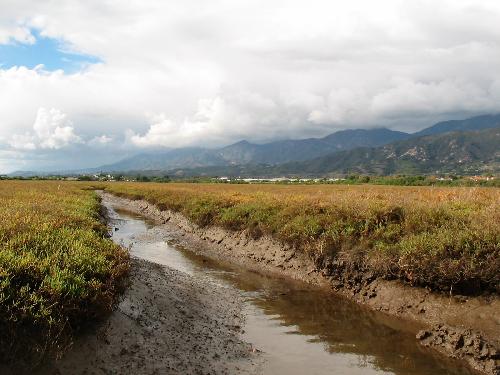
column 58, row 269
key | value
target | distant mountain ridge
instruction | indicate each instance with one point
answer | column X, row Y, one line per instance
column 177, row 158
column 473, row 123
column 285, row 151
column 244, row 152
column 358, row 150
column 296, row 150
column 462, row 152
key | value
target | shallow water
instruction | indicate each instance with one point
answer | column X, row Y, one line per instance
column 300, row 329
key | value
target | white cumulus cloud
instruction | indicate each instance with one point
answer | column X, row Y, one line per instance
column 23, row 141
column 13, row 33
column 51, row 130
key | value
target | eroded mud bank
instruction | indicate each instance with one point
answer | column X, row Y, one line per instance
column 462, row 327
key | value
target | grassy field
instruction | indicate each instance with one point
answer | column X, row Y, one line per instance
column 57, row 268
column 444, row 238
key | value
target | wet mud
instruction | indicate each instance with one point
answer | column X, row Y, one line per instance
column 417, row 309
column 166, row 323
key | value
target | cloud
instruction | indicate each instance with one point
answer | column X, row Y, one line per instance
column 51, row 130
column 159, row 134
column 23, row 141
column 225, row 117
column 19, row 34
column 100, row 140
column 187, row 72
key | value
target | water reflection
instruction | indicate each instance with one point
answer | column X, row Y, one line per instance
column 300, row 329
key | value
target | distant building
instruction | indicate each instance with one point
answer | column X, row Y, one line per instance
column 481, row 178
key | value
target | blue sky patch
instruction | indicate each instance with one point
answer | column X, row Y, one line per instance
column 52, row 53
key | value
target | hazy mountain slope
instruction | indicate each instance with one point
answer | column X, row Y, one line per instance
column 297, row 150
column 26, row 174
column 275, row 152
column 473, row 123
column 280, row 152
column 456, row 152
column 249, row 153
column 178, row 158
column 349, row 139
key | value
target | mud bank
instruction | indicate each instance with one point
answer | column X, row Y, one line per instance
column 167, row 323
column 461, row 327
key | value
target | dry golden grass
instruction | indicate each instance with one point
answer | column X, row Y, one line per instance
column 444, row 238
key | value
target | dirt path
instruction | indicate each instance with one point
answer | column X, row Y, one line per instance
column 167, row 323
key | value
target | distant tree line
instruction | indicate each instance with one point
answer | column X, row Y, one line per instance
column 350, row 179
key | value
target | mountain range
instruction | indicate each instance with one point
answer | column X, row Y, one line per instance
column 455, row 146
column 346, row 147
column 244, row 152
column 462, row 152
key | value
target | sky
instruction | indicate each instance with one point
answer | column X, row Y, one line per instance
column 86, row 83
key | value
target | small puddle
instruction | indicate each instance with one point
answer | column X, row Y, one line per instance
column 299, row 328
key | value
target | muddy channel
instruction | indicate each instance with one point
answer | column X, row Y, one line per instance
column 214, row 317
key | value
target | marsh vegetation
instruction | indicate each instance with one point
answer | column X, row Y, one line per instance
column 58, row 269
column 447, row 239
